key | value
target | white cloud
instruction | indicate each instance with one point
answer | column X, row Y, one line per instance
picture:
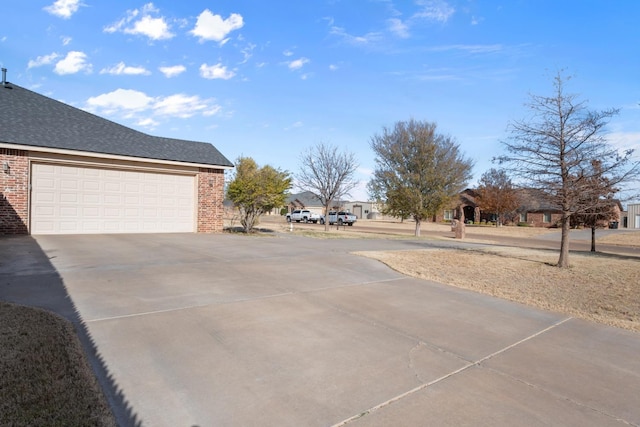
column 42, row 60
column 141, row 22
column 147, row 123
column 297, row 63
column 399, row 28
column 120, row 100
column 434, row 10
column 154, row 28
column 247, row 52
column 333, row 67
column 173, row 70
column 63, row 8
column 287, row 53
column 213, row 27
column 133, row 104
column 217, row 71
column 73, row 63
column 623, row 141
column 65, row 40
column 366, row 39
column 295, row 125
column 469, row 48
column 121, row 68
column 180, row 105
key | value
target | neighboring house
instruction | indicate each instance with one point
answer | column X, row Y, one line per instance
column 535, row 210
column 465, row 207
column 66, row 171
column 633, row 216
column 304, row 200
column 362, row 210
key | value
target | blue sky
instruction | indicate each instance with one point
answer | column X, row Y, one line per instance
column 271, row 79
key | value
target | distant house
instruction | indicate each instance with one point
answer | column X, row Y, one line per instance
column 304, row 200
column 465, row 206
column 66, row 171
column 633, row 216
column 362, row 210
column 535, row 210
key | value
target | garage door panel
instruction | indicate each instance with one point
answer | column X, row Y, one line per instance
column 112, row 199
column 71, row 199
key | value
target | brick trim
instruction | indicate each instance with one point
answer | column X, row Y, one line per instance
column 210, row 200
column 14, row 191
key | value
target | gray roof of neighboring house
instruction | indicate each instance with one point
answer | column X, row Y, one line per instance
column 536, row 200
column 31, row 119
column 306, row 199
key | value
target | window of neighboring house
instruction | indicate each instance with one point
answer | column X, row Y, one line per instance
column 366, row 211
column 448, row 214
column 546, row 217
column 523, row 217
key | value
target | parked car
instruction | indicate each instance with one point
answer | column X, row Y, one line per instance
column 340, row 218
column 303, row 215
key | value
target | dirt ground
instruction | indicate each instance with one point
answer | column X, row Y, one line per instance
column 599, row 287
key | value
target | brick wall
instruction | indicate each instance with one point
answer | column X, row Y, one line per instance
column 536, row 219
column 14, row 191
column 210, row 198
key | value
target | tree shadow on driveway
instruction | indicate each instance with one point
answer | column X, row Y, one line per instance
column 27, row 277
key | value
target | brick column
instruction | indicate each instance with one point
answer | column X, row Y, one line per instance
column 210, row 198
column 14, row 191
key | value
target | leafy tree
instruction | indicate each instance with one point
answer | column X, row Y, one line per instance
column 255, row 191
column 327, row 173
column 418, row 171
column 599, row 202
column 497, row 195
column 553, row 150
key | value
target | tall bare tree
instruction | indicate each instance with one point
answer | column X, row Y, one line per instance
column 256, row 190
column 497, row 195
column 553, row 149
column 327, row 173
column 418, row 171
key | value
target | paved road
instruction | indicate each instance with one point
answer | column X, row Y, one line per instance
column 580, row 240
column 231, row 330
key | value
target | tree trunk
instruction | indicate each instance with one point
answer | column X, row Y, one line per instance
column 593, row 239
column 326, row 216
column 417, row 233
column 563, row 261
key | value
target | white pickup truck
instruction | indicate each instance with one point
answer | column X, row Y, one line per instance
column 340, row 218
column 303, row 215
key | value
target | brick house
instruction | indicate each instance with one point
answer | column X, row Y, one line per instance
column 66, row 171
column 535, row 210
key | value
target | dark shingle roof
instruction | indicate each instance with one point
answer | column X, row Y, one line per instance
column 27, row 118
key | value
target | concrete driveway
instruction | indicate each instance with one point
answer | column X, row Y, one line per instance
column 231, row 330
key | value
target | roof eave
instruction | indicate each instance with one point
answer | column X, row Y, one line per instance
column 109, row 156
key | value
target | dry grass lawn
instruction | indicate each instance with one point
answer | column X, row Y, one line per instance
column 45, row 379
column 598, row 287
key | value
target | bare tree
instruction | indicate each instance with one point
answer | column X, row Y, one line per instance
column 497, row 195
column 328, row 174
column 553, row 150
column 418, row 171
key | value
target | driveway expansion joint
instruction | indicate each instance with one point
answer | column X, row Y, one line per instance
column 449, row 375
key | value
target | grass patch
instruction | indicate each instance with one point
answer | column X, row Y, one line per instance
column 44, row 376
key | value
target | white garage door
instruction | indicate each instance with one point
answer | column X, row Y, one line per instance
column 83, row 200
